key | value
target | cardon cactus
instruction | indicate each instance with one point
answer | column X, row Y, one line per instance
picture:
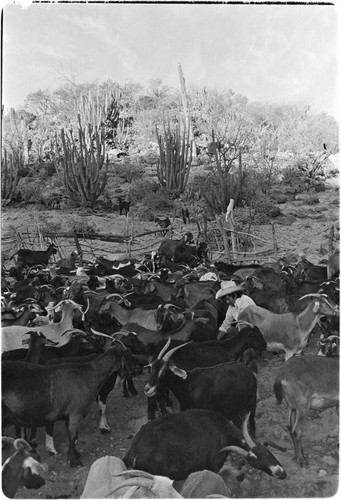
column 9, row 175
column 175, row 158
column 85, row 168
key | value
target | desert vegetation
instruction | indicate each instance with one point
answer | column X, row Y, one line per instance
column 86, row 144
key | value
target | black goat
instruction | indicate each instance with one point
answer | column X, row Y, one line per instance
column 179, row 444
column 35, row 395
column 185, row 215
column 27, row 257
column 230, row 388
column 124, row 205
column 202, row 354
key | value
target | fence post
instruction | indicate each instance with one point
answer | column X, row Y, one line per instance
column 79, row 248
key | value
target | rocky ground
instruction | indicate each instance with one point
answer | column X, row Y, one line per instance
column 306, row 233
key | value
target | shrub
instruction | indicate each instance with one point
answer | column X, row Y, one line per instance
column 128, row 171
column 31, row 191
column 158, row 201
column 140, row 189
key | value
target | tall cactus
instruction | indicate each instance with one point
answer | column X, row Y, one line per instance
column 83, row 162
column 9, row 175
column 175, row 158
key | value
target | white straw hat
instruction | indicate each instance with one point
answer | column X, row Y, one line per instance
column 228, row 287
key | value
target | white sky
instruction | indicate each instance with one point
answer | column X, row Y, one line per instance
column 278, row 53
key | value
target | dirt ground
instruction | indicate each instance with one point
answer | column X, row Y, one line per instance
column 320, row 435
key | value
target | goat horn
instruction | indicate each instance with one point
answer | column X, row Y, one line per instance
column 115, row 276
column 136, row 473
column 121, row 332
column 237, row 449
column 171, row 352
column 311, row 295
column 7, row 440
column 21, row 444
column 86, row 310
column 164, row 349
column 73, row 330
column 245, row 431
column 100, row 334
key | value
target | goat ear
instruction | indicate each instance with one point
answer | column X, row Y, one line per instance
column 316, row 307
column 177, row 371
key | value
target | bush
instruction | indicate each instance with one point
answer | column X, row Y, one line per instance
column 127, row 171
column 158, row 201
column 140, row 189
column 31, row 191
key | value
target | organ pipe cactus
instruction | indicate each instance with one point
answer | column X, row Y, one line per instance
column 175, row 157
column 85, row 169
column 9, row 175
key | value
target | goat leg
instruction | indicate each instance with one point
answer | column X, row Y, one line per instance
column 130, row 386
column 72, row 428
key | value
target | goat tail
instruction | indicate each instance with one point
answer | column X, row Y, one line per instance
column 278, row 390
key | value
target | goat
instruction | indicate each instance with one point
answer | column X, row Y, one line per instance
column 164, row 223
column 288, row 331
column 168, row 248
column 21, row 469
column 22, row 316
column 329, row 346
column 143, row 317
column 185, row 215
column 36, row 395
column 58, row 332
column 123, row 206
column 333, row 265
column 201, row 354
column 306, row 383
column 27, row 257
column 177, row 445
column 230, row 388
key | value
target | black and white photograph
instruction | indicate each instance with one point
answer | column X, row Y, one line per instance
column 170, row 249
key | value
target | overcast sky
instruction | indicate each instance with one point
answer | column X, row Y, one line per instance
column 278, row 53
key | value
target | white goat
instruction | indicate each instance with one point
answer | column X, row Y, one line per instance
column 108, row 478
column 306, row 383
column 60, row 333
column 289, row 331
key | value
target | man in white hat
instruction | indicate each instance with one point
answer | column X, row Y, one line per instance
column 235, row 296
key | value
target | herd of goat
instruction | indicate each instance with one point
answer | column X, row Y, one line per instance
column 68, row 333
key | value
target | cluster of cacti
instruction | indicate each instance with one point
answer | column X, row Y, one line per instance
column 9, row 175
column 85, row 168
column 175, row 157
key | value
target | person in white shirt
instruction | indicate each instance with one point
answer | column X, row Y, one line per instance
column 238, row 300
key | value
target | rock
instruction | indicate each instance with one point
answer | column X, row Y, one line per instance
column 281, row 198
column 335, row 202
column 322, row 473
column 274, row 211
column 290, row 190
column 329, row 460
column 323, row 250
column 316, row 216
column 319, row 188
column 290, row 197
